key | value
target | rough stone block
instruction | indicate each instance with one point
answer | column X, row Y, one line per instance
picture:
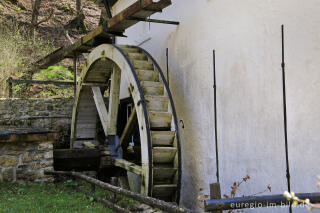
column 13, row 149
column 8, row 174
column 48, row 155
column 45, row 146
column 36, row 157
column 26, row 157
column 8, row 161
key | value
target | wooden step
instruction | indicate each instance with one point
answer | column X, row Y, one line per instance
column 137, row 56
column 157, row 103
column 148, row 75
column 142, row 64
column 152, row 88
column 160, row 120
column 162, row 138
column 163, row 174
column 163, row 154
column 128, row 50
column 164, row 190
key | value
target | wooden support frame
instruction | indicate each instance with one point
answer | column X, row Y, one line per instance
column 114, row 101
column 128, row 129
column 127, row 165
column 101, row 108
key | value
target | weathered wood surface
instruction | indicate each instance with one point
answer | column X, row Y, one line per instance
column 167, row 207
column 64, row 52
column 101, row 108
column 76, row 159
column 116, row 25
column 114, row 101
column 27, row 135
column 128, row 166
column 128, row 129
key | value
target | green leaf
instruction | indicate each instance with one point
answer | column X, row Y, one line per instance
column 91, row 199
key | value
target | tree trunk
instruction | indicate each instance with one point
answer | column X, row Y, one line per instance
column 35, row 15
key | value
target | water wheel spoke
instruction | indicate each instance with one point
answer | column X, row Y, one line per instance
column 128, row 129
column 101, row 107
column 114, row 101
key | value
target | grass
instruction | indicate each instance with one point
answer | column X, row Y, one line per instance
column 43, row 198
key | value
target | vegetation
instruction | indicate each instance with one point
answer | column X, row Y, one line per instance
column 17, row 52
column 52, row 198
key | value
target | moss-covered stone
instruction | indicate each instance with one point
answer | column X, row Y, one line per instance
column 8, row 161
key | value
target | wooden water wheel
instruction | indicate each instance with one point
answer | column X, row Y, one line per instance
column 154, row 160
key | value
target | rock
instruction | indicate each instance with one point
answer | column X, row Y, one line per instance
column 45, row 146
column 13, row 149
column 26, row 158
column 8, row 175
column 37, row 156
column 8, row 161
column 48, row 155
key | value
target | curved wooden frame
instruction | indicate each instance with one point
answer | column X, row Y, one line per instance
column 160, row 155
column 122, row 63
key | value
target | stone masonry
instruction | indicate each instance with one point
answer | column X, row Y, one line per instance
column 25, row 154
column 48, row 113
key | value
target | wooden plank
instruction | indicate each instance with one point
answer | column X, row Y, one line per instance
column 128, row 129
column 114, row 101
column 128, row 166
column 140, row 9
column 152, row 88
column 116, row 25
column 101, row 108
column 157, row 103
column 163, row 190
column 162, row 138
column 160, row 120
column 215, row 193
column 163, row 154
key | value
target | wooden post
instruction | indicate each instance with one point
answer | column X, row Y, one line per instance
column 215, row 193
column 101, row 108
column 75, row 57
column 10, row 87
column 113, row 197
column 114, row 101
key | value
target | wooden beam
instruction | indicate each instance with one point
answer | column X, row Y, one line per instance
column 128, row 129
column 62, row 52
column 101, row 108
column 58, row 83
column 140, row 9
column 127, row 165
column 114, row 101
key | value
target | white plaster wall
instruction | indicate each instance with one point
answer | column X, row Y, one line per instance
column 247, row 39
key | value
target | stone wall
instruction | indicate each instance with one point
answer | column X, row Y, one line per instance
column 46, row 113
column 25, row 155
